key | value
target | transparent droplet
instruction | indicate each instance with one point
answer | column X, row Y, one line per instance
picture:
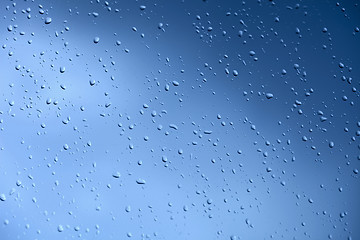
column 48, row 20
column 140, row 181
column 96, row 40
column 269, row 95
column 60, row 228
column 2, row 197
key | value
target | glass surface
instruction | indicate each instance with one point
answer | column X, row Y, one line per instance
column 179, row 119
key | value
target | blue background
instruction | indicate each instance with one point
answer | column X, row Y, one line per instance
column 179, row 119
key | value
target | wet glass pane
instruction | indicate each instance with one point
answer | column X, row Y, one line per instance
column 179, row 119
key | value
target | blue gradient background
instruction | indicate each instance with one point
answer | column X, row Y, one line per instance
column 238, row 165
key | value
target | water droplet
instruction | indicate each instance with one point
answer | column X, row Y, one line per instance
column 48, row 20
column 128, row 209
column 116, row 175
column 2, row 197
column 269, row 95
column 173, row 126
column 60, row 228
column 140, row 181
column 96, row 40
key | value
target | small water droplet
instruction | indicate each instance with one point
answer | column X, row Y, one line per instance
column 140, row 181
column 48, row 20
column 60, row 228
column 96, row 40
column 116, row 175
column 269, row 95
column 2, row 197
